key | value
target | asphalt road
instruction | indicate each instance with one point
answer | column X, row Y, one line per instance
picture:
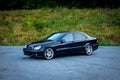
column 104, row 64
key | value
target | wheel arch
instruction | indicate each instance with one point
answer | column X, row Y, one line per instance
column 86, row 44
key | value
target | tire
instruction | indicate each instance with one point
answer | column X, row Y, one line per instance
column 48, row 53
column 88, row 50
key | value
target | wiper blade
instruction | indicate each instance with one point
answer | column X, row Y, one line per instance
column 49, row 40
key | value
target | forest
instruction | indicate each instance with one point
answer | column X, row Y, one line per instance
column 36, row 4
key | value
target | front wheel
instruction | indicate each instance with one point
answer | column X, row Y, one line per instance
column 88, row 50
column 48, row 53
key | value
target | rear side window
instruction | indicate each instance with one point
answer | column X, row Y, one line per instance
column 79, row 37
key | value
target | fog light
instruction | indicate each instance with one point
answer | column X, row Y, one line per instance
column 36, row 54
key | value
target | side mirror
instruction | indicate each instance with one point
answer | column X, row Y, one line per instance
column 62, row 41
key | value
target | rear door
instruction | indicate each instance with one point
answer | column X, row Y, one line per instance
column 79, row 41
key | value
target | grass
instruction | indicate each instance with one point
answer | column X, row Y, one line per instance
column 19, row 27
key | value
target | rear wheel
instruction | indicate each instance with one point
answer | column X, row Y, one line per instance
column 88, row 49
column 48, row 53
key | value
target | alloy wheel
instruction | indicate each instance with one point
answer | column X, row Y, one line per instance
column 88, row 50
column 48, row 53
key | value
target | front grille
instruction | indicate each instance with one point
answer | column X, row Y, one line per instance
column 30, row 48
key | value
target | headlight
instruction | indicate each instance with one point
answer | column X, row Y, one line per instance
column 37, row 47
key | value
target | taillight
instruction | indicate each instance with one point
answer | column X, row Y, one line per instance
column 97, row 41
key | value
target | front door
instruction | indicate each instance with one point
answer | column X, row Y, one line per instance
column 66, row 45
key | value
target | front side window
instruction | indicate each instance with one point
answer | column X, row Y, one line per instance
column 68, row 37
column 54, row 37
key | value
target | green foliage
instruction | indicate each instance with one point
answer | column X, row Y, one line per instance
column 28, row 21
column 39, row 25
column 19, row 27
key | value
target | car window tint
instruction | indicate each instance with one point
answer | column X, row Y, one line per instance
column 79, row 36
column 68, row 37
column 55, row 37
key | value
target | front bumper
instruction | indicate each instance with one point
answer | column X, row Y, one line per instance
column 32, row 53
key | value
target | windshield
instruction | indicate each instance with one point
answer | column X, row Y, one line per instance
column 54, row 37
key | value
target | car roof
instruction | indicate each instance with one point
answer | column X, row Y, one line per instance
column 74, row 32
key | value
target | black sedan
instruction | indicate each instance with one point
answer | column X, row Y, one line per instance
column 62, row 43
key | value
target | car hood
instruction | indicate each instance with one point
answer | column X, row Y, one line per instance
column 41, row 43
